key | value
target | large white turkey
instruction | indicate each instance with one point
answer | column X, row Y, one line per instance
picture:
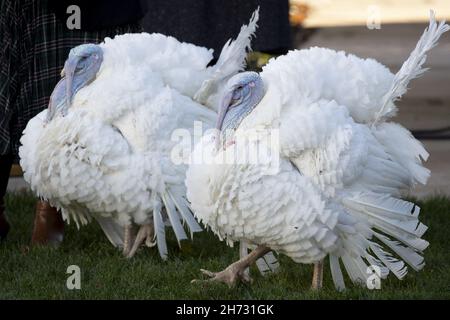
column 103, row 148
column 307, row 164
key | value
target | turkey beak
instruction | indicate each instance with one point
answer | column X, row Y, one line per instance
column 69, row 71
column 226, row 101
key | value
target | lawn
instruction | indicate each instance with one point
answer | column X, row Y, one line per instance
column 34, row 273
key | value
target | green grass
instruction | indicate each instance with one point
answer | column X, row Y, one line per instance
column 40, row 272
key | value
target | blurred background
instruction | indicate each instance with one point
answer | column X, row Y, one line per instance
column 386, row 30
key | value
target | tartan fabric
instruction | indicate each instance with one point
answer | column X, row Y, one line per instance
column 33, row 48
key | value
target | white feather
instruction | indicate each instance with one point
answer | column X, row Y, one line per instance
column 332, row 187
column 412, row 67
column 160, row 233
column 231, row 59
column 185, row 212
column 110, row 158
column 174, row 219
column 336, row 273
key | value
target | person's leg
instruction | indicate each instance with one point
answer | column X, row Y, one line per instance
column 48, row 225
column 41, row 66
column 5, row 168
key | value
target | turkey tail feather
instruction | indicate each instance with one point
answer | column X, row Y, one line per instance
column 412, row 67
column 231, row 59
column 160, row 233
column 336, row 273
column 387, row 224
column 113, row 231
column 266, row 264
column 185, row 212
column 174, row 218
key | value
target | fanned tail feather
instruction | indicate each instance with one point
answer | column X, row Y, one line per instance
column 174, row 218
column 395, row 217
column 392, row 237
column 397, row 267
column 409, row 157
column 231, row 60
column 266, row 264
column 356, row 268
column 336, row 273
column 185, row 212
column 160, row 232
column 411, row 257
column 412, row 67
column 384, row 271
column 113, row 231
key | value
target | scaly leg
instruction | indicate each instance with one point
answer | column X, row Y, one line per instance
column 235, row 271
column 243, row 252
column 317, row 276
column 145, row 234
column 128, row 235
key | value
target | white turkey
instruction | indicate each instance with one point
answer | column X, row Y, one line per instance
column 307, row 164
column 103, row 148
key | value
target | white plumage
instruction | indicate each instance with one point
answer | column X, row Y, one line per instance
column 109, row 158
column 330, row 186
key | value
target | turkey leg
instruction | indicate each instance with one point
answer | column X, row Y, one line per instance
column 128, row 239
column 317, row 276
column 237, row 270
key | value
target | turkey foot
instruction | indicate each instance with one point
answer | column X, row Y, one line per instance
column 237, row 270
column 145, row 235
column 317, row 276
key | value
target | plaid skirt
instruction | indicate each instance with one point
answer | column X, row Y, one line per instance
column 34, row 45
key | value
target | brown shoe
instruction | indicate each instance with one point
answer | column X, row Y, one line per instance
column 48, row 225
column 4, row 225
